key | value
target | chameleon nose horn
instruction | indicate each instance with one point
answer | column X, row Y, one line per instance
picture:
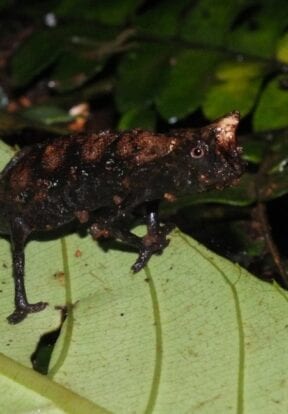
column 225, row 128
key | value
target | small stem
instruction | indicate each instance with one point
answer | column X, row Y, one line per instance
column 264, row 222
column 276, row 64
column 273, row 249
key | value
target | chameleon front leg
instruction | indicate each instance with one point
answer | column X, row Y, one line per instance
column 155, row 240
column 19, row 234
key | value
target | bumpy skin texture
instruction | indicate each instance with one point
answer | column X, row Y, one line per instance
column 99, row 180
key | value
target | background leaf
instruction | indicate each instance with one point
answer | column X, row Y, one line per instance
column 282, row 50
column 236, row 85
column 137, row 90
column 73, row 70
column 191, row 330
column 256, row 33
column 272, row 109
column 164, row 19
column 110, row 11
column 186, row 83
column 208, row 24
column 138, row 118
column 35, row 55
column 47, row 114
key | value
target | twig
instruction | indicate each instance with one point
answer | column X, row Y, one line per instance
column 273, row 249
column 265, row 226
column 276, row 64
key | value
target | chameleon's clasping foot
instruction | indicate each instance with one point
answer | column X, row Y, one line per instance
column 152, row 243
column 20, row 313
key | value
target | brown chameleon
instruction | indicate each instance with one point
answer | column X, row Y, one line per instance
column 99, row 180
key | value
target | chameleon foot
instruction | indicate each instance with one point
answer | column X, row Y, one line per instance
column 20, row 313
column 152, row 243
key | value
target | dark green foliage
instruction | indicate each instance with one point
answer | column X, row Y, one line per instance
column 36, row 55
column 174, row 57
column 167, row 60
column 186, row 84
column 140, row 75
column 270, row 112
column 157, row 64
column 108, row 11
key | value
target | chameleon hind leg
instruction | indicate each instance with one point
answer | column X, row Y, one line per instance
column 19, row 234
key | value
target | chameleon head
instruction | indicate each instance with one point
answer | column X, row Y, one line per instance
column 213, row 155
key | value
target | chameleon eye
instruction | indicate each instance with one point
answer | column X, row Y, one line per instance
column 197, row 152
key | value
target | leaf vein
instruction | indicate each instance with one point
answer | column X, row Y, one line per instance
column 241, row 334
column 69, row 322
column 159, row 345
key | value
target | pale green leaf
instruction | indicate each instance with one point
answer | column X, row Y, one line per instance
column 272, row 110
column 20, row 341
column 25, row 391
column 191, row 333
column 282, row 49
column 235, row 86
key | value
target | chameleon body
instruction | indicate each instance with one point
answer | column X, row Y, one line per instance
column 100, row 179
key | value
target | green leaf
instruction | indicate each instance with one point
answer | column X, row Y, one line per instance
column 73, row 70
column 44, row 260
column 47, row 115
column 254, row 149
column 24, row 390
column 138, row 118
column 275, row 183
column 4, row 4
column 208, row 22
column 140, row 76
column 90, row 33
column 163, row 19
column 271, row 112
column 236, row 86
column 192, row 329
column 108, row 11
column 11, row 122
column 282, row 49
column 186, row 83
column 258, row 33
column 35, row 55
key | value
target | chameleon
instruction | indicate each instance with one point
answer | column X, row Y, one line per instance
column 99, row 181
